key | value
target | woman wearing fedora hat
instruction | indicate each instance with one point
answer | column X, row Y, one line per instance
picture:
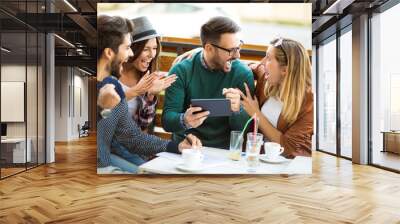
column 142, row 82
column 139, row 77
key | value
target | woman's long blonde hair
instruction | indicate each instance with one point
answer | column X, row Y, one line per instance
column 292, row 90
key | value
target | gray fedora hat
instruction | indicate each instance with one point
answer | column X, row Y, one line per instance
column 142, row 29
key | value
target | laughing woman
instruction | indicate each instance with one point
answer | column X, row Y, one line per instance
column 139, row 77
column 284, row 92
column 141, row 82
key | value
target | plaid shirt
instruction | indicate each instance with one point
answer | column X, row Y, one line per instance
column 145, row 111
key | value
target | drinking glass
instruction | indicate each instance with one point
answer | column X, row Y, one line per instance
column 235, row 147
column 253, row 146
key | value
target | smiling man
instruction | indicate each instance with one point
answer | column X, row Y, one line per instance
column 213, row 72
column 116, row 126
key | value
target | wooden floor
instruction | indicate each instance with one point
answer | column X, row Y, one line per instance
column 10, row 171
column 5, row 172
column 70, row 191
column 386, row 159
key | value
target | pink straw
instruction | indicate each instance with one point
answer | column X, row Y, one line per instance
column 255, row 128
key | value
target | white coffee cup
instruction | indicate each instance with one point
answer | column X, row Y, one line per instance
column 272, row 150
column 192, row 158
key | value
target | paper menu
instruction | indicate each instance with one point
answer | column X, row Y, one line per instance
column 208, row 161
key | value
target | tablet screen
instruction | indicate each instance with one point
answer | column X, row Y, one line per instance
column 216, row 107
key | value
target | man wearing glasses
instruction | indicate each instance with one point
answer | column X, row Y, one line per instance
column 214, row 72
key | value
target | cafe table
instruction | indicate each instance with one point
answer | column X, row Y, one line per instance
column 217, row 161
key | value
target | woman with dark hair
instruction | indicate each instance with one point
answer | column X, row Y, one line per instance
column 140, row 78
column 114, row 124
column 142, row 82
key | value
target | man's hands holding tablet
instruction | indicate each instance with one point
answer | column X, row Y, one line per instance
column 201, row 109
column 194, row 118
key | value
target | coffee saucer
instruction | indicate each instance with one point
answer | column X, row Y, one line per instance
column 278, row 159
column 184, row 168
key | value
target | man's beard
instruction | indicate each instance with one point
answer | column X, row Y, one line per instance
column 218, row 64
column 116, row 68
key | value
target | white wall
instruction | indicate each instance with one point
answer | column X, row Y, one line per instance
column 61, row 103
column 71, row 94
column 80, row 105
column 33, row 127
column 14, row 73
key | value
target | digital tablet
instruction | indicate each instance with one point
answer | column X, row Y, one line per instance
column 216, row 107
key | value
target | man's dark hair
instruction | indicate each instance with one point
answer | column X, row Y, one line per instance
column 110, row 32
column 211, row 31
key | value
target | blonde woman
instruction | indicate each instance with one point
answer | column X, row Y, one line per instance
column 285, row 94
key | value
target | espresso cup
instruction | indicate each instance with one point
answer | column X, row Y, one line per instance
column 272, row 150
column 192, row 158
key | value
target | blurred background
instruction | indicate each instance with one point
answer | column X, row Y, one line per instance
column 260, row 22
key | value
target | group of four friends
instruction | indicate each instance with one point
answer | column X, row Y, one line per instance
column 129, row 82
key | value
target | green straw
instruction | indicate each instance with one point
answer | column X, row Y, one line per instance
column 244, row 129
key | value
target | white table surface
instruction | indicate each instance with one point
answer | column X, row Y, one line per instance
column 164, row 165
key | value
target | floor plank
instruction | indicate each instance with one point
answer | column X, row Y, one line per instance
column 70, row 191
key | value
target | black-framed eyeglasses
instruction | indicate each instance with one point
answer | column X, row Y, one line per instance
column 279, row 44
column 231, row 51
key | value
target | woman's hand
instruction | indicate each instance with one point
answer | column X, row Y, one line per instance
column 258, row 69
column 186, row 55
column 141, row 87
column 250, row 104
column 161, row 83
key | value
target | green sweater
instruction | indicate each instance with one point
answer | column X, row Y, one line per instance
column 195, row 81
